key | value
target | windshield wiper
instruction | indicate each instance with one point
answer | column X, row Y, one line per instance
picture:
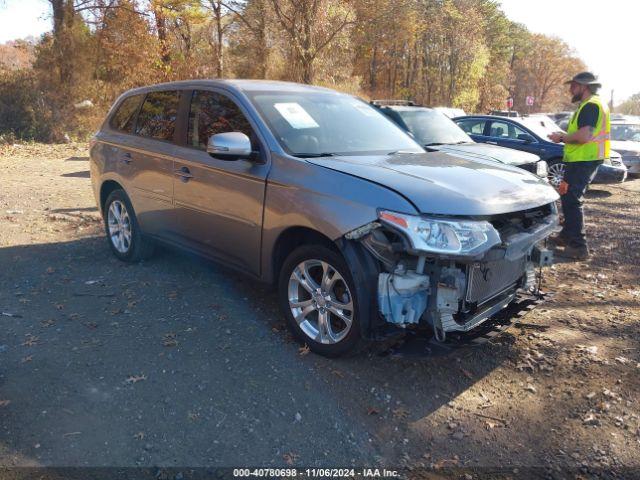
column 434, row 144
column 314, row 155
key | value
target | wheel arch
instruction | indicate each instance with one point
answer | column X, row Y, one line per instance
column 290, row 239
column 105, row 189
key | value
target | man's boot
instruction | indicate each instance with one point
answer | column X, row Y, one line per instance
column 574, row 253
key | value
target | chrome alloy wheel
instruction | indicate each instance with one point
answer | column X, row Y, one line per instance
column 320, row 301
column 119, row 224
column 556, row 174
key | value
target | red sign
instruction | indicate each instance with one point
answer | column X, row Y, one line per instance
column 509, row 102
column 530, row 100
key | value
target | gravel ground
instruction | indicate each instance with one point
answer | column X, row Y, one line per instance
column 180, row 362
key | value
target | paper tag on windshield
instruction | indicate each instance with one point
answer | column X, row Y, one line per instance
column 295, row 115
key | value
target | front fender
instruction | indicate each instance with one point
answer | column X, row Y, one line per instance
column 301, row 194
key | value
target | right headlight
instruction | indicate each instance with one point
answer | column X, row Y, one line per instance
column 435, row 235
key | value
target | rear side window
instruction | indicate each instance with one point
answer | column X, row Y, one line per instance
column 212, row 113
column 475, row 127
column 157, row 118
column 125, row 116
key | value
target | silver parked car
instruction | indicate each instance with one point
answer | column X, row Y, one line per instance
column 318, row 192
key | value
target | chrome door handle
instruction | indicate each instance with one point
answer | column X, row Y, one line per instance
column 184, row 174
column 492, row 143
column 126, row 158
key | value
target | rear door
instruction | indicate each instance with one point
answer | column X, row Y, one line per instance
column 220, row 202
column 148, row 166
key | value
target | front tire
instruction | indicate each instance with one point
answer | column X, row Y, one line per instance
column 123, row 232
column 556, row 172
column 318, row 297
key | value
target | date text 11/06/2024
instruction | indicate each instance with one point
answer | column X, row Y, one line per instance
column 315, row 472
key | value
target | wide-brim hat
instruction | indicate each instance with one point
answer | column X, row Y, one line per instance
column 585, row 78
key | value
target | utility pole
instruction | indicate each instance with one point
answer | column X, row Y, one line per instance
column 611, row 102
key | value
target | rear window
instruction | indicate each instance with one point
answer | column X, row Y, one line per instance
column 125, row 116
column 157, row 118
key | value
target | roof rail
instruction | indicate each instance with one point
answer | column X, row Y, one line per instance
column 399, row 103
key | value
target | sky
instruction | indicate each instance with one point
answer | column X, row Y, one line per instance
column 603, row 33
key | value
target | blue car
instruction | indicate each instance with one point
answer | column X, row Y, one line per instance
column 529, row 134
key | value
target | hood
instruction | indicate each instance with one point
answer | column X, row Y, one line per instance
column 484, row 151
column 625, row 147
column 442, row 184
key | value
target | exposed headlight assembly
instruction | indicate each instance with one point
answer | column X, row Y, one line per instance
column 435, row 235
column 542, row 169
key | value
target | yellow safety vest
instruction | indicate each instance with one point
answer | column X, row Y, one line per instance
column 600, row 145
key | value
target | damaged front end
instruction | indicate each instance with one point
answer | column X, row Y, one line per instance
column 451, row 274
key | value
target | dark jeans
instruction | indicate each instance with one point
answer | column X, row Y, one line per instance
column 578, row 175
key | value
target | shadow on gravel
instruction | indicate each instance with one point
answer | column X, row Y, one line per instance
column 69, row 210
column 81, row 174
column 77, row 159
column 177, row 361
column 595, row 193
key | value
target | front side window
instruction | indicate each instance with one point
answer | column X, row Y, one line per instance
column 317, row 123
column 125, row 116
column 505, row 130
column 212, row 113
column 472, row 126
column 157, row 118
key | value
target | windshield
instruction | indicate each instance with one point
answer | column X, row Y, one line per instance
column 432, row 127
column 541, row 125
column 319, row 123
column 625, row 132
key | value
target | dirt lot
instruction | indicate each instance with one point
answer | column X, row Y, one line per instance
column 179, row 362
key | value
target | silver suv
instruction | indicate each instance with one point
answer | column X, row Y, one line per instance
column 363, row 231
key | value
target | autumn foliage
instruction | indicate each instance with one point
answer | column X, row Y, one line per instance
column 462, row 53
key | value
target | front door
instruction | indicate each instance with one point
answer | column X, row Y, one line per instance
column 507, row 134
column 219, row 203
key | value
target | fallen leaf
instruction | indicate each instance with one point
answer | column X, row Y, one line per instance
column 338, row 373
column 290, row 457
column 4, row 403
column 170, row 340
column 372, row 411
column 47, row 323
column 30, row 341
column 400, row 413
column 50, row 270
column 172, row 295
column 28, row 358
column 193, row 416
column 466, row 373
column 139, row 436
column 135, row 378
column 304, row 350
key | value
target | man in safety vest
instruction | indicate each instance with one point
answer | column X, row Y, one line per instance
column 586, row 146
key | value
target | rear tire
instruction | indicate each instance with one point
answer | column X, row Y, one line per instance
column 124, row 235
column 318, row 297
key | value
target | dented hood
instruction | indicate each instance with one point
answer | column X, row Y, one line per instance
column 442, row 184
